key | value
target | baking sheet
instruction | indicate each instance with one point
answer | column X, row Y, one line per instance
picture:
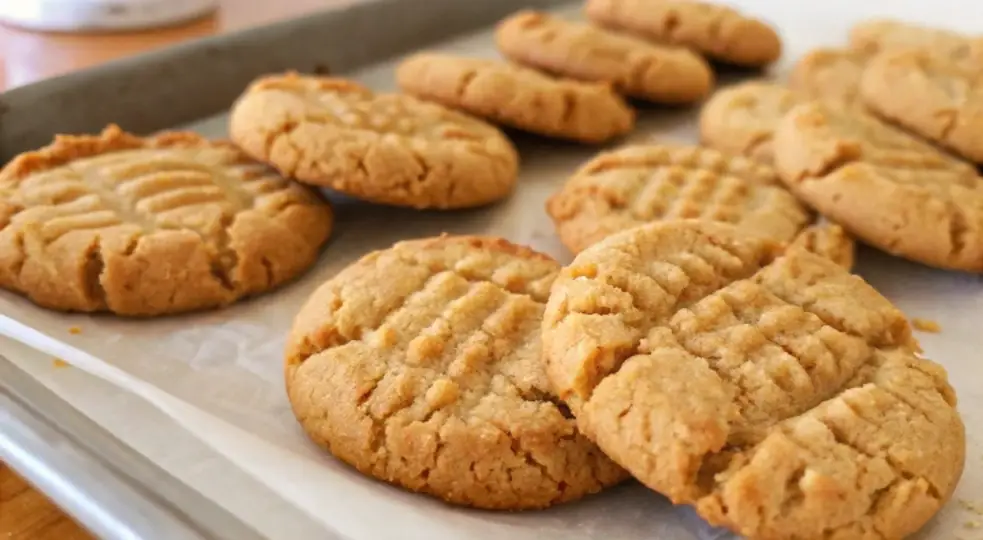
column 218, row 375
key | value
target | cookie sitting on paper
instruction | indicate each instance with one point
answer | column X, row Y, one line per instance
column 383, row 148
column 151, row 226
column 420, row 365
column 780, row 396
column 519, row 97
column 658, row 73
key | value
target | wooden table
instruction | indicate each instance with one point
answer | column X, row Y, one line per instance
column 26, row 57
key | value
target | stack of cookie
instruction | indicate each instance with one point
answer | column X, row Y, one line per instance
column 708, row 339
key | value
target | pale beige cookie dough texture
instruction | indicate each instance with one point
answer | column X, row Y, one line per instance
column 149, row 226
column 717, row 31
column 658, row 73
column 781, row 397
column 883, row 185
column 421, row 365
column 875, row 36
column 383, row 148
column 741, row 119
column 518, row 97
column 931, row 96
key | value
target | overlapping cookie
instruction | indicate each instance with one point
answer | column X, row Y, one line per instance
column 519, row 97
column 383, row 148
column 639, row 184
column 659, row 73
column 420, row 365
column 776, row 393
column 717, row 31
column 874, row 36
column 883, row 185
column 741, row 119
column 930, row 95
column 150, row 226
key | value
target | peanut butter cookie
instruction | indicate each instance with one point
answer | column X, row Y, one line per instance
column 420, row 365
column 829, row 74
column 930, row 95
column 741, row 119
column 148, row 226
column 715, row 30
column 875, row 36
column 519, row 97
column 384, row 148
column 658, row 73
column 779, row 395
column 884, row 186
column 638, row 184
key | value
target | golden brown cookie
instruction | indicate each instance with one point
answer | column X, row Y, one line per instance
column 638, row 184
column 519, row 97
column 875, row 36
column 781, row 397
column 715, row 30
column 420, row 365
column 658, row 73
column 148, row 226
column 384, row 148
column 741, row 119
column 930, row 95
column 884, row 186
column 829, row 74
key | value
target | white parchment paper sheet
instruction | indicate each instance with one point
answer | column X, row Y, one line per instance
column 218, row 375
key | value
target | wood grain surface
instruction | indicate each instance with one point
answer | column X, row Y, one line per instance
column 26, row 57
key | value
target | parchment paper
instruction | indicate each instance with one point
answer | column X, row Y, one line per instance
column 218, row 375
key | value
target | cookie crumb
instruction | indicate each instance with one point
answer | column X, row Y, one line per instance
column 926, row 325
column 972, row 524
column 75, row 330
column 59, row 363
column 974, row 507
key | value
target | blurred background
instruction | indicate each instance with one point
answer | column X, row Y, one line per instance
column 44, row 38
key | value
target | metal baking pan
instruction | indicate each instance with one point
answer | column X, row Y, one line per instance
column 95, row 476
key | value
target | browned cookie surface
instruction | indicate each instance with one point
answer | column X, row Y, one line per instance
column 516, row 96
column 384, row 148
column 420, row 365
column 779, row 395
column 150, row 226
column 664, row 74
column 713, row 29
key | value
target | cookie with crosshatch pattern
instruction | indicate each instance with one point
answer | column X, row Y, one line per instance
column 517, row 96
column 149, row 226
column 420, row 365
column 642, row 183
column 387, row 148
column 772, row 390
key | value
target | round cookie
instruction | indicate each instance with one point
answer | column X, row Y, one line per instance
column 384, row 148
column 519, row 97
column 781, row 397
column 149, row 226
column 930, row 95
column 829, row 74
column 420, row 365
column 638, row 184
column 741, row 119
column 884, row 186
column 640, row 69
column 874, row 36
column 717, row 31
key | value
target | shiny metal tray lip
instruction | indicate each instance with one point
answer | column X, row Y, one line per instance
column 101, row 481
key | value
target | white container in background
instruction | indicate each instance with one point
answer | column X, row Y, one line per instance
column 100, row 15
